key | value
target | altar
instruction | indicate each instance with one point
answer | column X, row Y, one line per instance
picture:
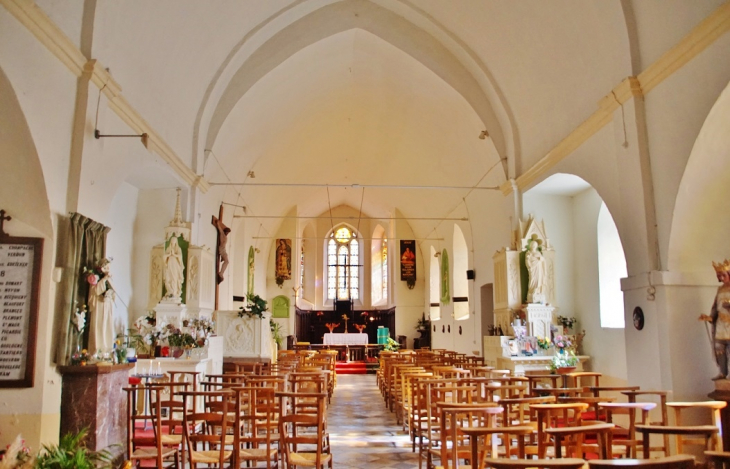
column 335, row 338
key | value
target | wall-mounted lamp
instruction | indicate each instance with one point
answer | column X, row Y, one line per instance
column 483, row 134
column 257, row 250
column 438, row 254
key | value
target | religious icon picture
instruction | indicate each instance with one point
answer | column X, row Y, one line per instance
column 408, row 259
column 638, row 318
column 283, row 259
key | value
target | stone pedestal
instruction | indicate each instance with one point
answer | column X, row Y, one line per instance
column 246, row 337
column 170, row 312
column 538, row 320
column 92, row 397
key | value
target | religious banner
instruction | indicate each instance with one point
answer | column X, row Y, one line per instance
column 408, row 260
column 20, row 272
column 283, row 260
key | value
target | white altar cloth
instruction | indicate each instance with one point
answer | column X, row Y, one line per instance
column 340, row 338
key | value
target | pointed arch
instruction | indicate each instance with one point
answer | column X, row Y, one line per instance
column 379, row 267
column 461, row 285
column 468, row 77
column 433, row 293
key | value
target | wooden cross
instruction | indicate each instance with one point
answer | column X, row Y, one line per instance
column 2, row 221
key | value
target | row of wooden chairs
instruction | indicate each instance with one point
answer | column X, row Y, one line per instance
column 405, row 379
column 239, row 419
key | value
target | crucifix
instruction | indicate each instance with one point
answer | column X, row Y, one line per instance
column 221, row 254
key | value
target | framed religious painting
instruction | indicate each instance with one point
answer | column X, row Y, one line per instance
column 20, row 276
column 408, row 261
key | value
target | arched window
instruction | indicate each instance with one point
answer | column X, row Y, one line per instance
column 379, row 267
column 343, row 265
column 461, row 285
column 434, row 287
column 611, row 268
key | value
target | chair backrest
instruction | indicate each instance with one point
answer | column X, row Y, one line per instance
column 256, row 419
column 453, row 417
column 206, row 430
column 297, row 428
column 554, row 416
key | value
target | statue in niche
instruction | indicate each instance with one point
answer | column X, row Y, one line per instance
column 174, row 268
column 101, row 308
column 719, row 317
column 535, row 263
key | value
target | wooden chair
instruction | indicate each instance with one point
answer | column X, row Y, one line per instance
column 661, row 397
column 257, row 418
column 171, row 408
column 453, row 442
column 717, row 459
column 550, row 416
column 206, row 431
column 141, row 447
column 682, row 461
column 628, row 438
column 705, row 435
column 292, row 433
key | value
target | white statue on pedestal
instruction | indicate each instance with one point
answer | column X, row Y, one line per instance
column 535, row 263
column 174, row 269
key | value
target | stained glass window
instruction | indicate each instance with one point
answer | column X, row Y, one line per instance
column 343, row 265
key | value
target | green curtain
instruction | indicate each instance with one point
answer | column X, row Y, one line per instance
column 85, row 247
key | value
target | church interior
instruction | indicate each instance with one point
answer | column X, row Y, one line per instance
column 395, row 158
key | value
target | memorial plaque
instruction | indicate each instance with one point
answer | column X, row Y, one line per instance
column 20, row 267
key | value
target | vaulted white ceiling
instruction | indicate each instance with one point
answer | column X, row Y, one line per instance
column 361, row 92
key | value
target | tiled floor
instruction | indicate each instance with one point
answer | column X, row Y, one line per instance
column 363, row 432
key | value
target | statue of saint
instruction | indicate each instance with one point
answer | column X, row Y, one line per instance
column 720, row 318
column 535, row 263
column 174, row 268
column 101, row 312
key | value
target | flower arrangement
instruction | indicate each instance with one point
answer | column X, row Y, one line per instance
column 152, row 331
column 561, row 343
column 17, row 455
column 566, row 322
column 332, row 325
column 256, row 307
column 518, row 314
column 80, row 357
column 178, row 338
column 563, row 360
column 360, row 327
column 543, row 343
column 391, row 345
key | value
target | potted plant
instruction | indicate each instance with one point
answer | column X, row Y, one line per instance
column 391, row 345
column 256, row 307
column 72, row 453
column 563, row 362
column 276, row 332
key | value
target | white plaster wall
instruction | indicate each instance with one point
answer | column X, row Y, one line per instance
column 606, row 346
column 120, row 246
column 41, row 83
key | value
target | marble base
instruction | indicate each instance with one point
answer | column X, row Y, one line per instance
column 170, row 312
column 93, row 397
